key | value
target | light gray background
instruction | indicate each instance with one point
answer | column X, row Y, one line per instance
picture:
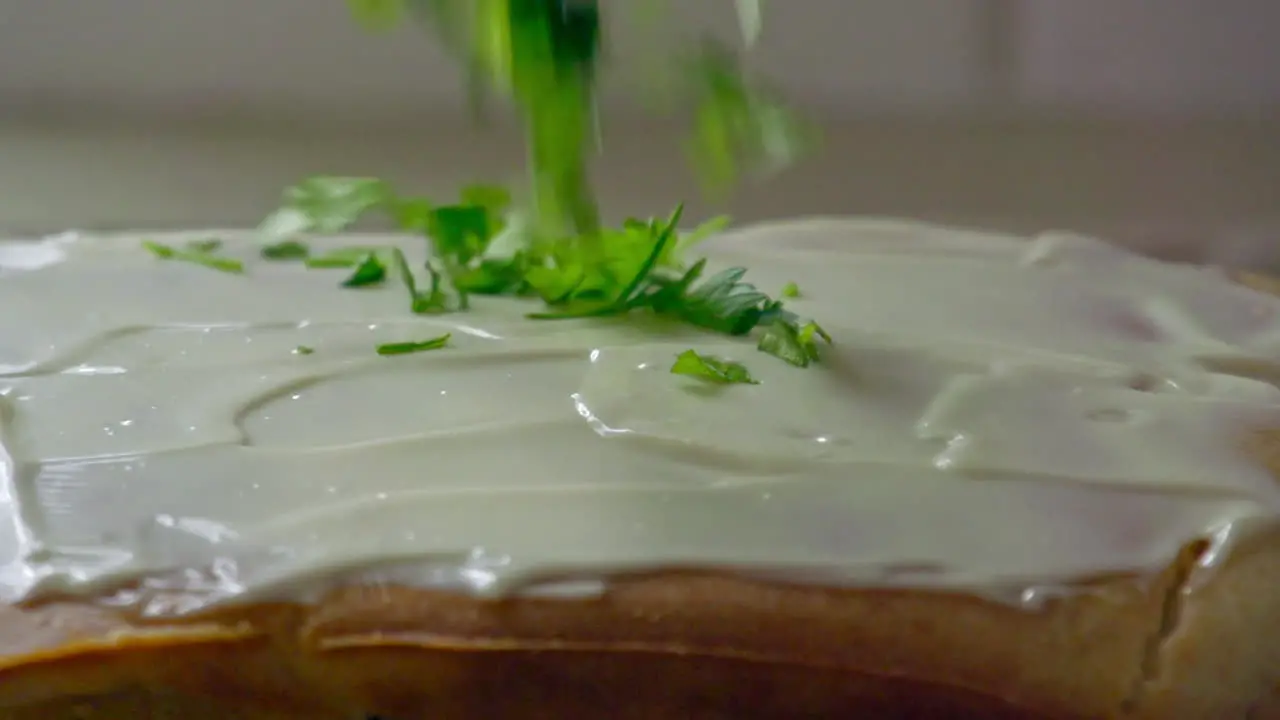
column 1152, row 121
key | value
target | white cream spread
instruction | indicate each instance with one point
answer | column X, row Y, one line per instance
column 995, row 412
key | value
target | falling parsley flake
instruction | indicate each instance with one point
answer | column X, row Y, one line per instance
column 198, row 257
column 326, row 205
column 406, row 348
column 712, row 369
column 739, row 126
column 369, row 271
column 303, row 350
column 790, row 290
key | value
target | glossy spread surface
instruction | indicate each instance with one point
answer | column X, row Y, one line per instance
column 995, row 412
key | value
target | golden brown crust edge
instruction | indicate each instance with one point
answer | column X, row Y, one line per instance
column 690, row 646
column 673, row 645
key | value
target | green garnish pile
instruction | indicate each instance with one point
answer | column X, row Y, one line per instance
column 543, row 55
column 639, row 267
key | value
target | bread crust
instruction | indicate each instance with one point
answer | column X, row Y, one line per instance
column 669, row 645
column 676, row 645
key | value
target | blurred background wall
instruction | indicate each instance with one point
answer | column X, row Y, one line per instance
column 1153, row 121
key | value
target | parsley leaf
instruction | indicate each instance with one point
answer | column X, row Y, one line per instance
column 303, row 350
column 405, row 348
column 725, row 304
column 790, row 290
column 370, row 271
column 711, row 369
column 209, row 260
column 794, row 343
column 287, row 250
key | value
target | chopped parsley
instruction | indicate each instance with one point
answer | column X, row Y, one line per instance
column 369, row 271
column 797, row 344
column 543, row 54
column 195, row 255
column 638, row 267
column 303, row 350
column 406, row 348
column 712, row 369
column 433, row 299
column 790, row 290
column 286, row 250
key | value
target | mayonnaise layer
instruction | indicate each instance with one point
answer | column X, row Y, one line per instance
column 995, row 412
